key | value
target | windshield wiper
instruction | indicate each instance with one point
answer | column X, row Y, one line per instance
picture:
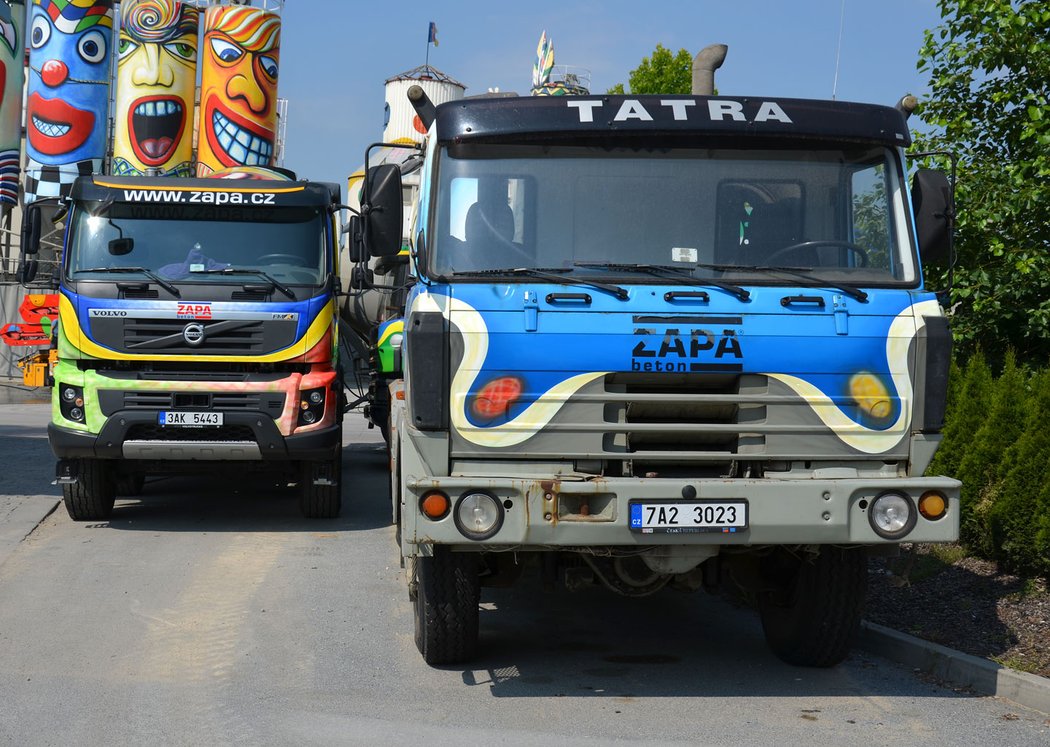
column 846, row 288
column 247, row 271
column 141, row 270
column 548, row 273
column 671, row 272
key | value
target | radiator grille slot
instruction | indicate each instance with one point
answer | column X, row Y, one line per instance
column 667, row 423
column 167, row 335
column 153, row 432
column 271, row 403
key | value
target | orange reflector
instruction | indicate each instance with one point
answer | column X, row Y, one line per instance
column 399, row 394
column 932, row 505
column 434, row 505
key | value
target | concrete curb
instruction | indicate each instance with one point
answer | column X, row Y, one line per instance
column 23, row 521
column 982, row 675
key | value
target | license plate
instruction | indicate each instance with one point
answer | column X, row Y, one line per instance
column 685, row 517
column 190, row 419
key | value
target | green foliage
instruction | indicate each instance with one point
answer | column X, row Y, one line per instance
column 1019, row 520
column 979, row 465
column 997, row 442
column 661, row 73
column 989, row 63
column 969, row 406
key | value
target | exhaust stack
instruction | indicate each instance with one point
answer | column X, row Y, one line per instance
column 707, row 60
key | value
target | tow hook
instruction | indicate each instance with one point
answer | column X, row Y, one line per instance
column 66, row 472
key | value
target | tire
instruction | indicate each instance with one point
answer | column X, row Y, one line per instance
column 448, row 590
column 322, row 501
column 92, row 496
column 811, row 606
column 130, row 485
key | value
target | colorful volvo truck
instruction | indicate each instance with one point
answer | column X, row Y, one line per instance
column 196, row 333
column 666, row 341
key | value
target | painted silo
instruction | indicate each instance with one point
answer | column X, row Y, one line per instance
column 67, row 104
column 12, row 79
column 156, row 77
column 238, row 107
column 402, row 125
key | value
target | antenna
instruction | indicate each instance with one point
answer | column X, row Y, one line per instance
column 838, row 50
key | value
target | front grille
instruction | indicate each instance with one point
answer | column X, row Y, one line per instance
column 153, row 432
column 140, row 294
column 227, row 336
column 271, row 403
column 149, row 337
column 669, row 422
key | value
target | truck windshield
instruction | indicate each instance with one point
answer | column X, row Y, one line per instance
column 831, row 214
column 184, row 243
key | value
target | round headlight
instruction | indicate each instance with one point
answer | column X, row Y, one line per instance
column 309, row 416
column 76, row 413
column 69, row 394
column 478, row 515
column 316, row 397
column 892, row 515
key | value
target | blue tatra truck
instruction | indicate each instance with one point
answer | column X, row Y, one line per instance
column 666, row 340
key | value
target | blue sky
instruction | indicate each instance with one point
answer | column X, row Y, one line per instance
column 336, row 54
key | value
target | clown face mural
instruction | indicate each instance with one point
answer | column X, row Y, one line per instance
column 156, row 74
column 239, row 62
column 12, row 76
column 66, row 107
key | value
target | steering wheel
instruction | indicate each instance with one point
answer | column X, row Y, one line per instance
column 279, row 259
column 860, row 251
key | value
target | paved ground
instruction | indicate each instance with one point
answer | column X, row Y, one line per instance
column 208, row 612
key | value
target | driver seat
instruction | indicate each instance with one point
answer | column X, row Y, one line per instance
column 772, row 227
column 487, row 226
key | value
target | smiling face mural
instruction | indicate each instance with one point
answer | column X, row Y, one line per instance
column 66, row 106
column 156, row 74
column 239, row 62
column 12, row 76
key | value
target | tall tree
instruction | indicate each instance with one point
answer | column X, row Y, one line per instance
column 989, row 67
column 661, row 73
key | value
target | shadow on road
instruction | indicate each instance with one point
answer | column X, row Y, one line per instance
column 217, row 503
column 28, row 465
column 537, row 644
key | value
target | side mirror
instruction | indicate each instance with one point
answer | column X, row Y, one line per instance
column 932, row 201
column 361, row 278
column 31, row 223
column 355, row 240
column 27, row 271
column 382, row 211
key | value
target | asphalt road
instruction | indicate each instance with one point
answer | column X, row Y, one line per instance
column 209, row 612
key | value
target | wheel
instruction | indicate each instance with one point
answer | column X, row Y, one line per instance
column 448, row 590
column 320, row 488
column 92, row 496
column 130, row 485
column 803, row 245
column 811, row 605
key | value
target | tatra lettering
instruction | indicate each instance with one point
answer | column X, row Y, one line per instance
column 680, row 110
column 771, row 110
column 719, row 110
column 632, row 109
column 678, row 107
column 586, row 108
